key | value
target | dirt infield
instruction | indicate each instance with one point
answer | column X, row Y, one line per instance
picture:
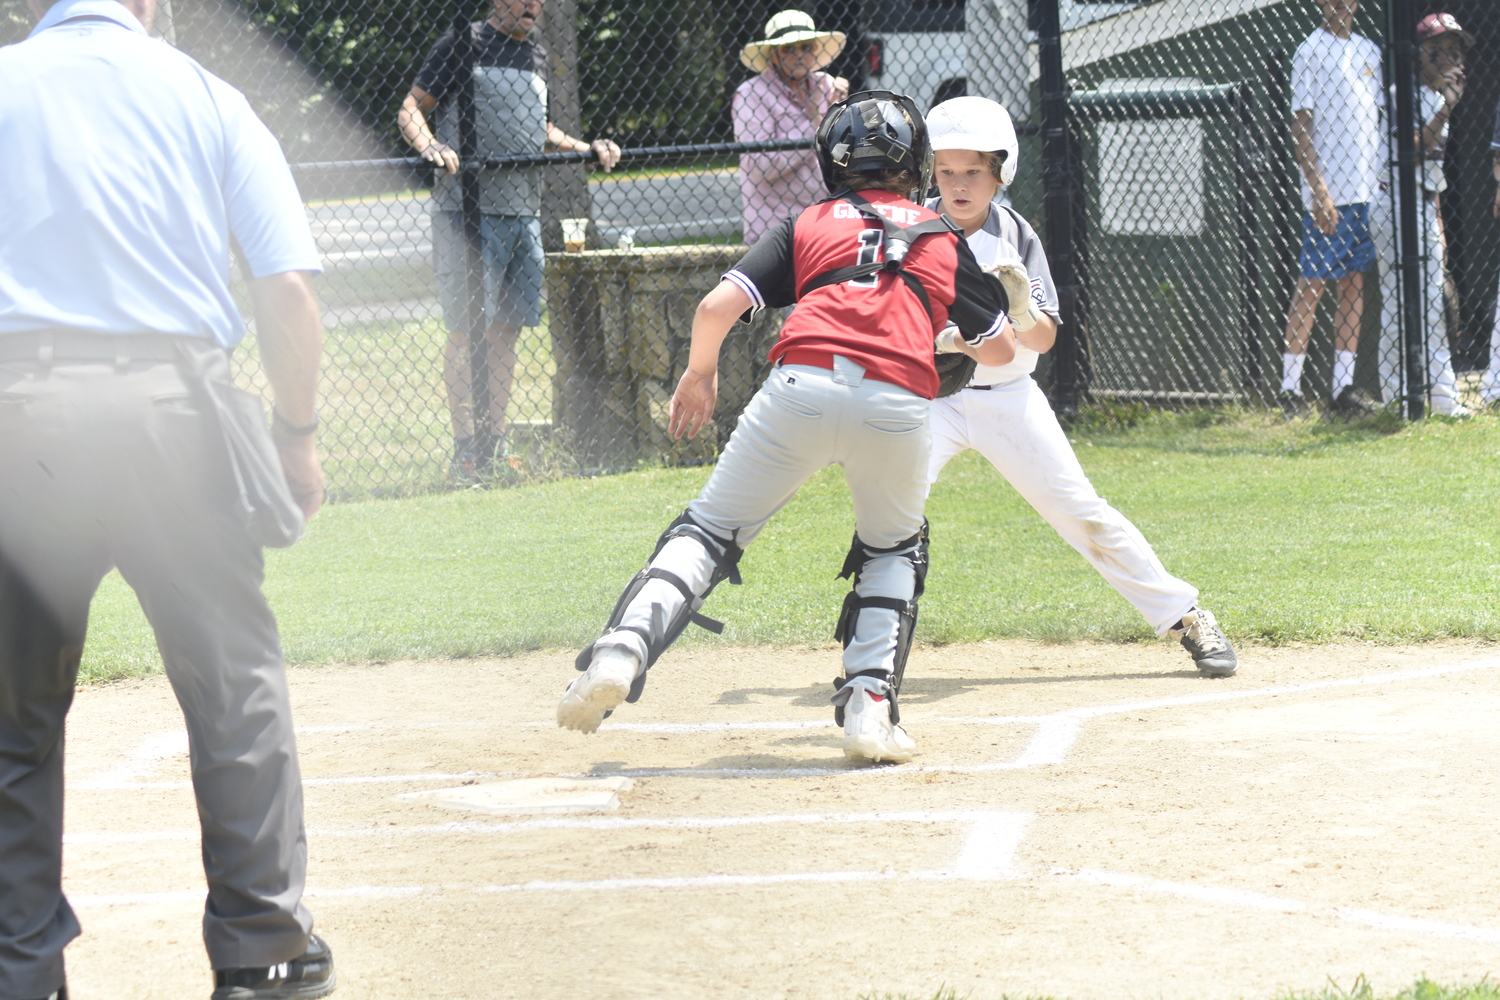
column 1081, row 821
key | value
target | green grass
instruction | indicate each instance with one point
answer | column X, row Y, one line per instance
column 1304, row 532
column 386, row 428
column 1422, row 989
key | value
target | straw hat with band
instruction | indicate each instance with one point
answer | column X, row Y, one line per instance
column 788, row 28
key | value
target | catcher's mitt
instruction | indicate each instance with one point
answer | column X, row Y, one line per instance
column 954, row 372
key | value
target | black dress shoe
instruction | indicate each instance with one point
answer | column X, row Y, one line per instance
column 300, row 979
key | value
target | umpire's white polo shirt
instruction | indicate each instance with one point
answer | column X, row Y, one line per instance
column 126, row 169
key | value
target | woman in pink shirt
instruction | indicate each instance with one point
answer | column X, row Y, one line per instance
column 785, row 101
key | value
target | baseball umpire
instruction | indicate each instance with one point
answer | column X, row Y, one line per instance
column 874, row 278
column 129, row 174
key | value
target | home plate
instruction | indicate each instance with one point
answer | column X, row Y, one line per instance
column 532, row 795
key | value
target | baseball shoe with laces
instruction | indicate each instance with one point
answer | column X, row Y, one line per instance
column 1450, row 408
column 869, row 733
column 1354, row 402
column 1209, row 647
column 600, row 689
column 1293, row 404
column 300, row 979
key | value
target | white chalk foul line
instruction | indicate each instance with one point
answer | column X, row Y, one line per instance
column 988, row 853
column 1056, row 733
column 1054, row 736
column 1258, row 901
column 999, row 833
column 357, row 779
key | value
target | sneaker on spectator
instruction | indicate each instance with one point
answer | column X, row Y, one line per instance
column 1354, row 402
column 1293, row 404
column 1446, row 406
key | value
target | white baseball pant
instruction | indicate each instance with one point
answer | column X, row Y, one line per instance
column 1383, row 230
column 1013, row 426
column 1489, row 388
column 801, row 420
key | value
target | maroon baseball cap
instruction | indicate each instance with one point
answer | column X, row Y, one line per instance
column 1441, row 24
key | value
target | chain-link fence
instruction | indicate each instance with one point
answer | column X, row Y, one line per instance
column 1168, row 151
column 1230, row 175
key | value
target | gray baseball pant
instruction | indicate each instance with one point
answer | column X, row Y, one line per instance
column 114, row 464
column 804, row 419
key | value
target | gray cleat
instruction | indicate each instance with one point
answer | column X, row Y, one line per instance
column 1209, row 647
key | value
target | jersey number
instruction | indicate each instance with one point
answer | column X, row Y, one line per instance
column 870, row 242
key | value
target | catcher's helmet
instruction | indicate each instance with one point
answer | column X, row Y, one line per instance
column 870, row 131
column 979, row 124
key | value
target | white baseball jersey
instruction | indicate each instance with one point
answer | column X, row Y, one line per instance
column 1007, row 419
column 1006, row 236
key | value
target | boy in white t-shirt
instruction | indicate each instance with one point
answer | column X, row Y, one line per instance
column 1336, row 108
column 1441, row 44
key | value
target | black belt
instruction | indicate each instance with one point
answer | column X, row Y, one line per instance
column 62, row 344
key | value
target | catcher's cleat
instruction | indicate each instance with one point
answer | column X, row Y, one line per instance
column 1209, row 647
column 1352, row 402
column 869, row 733
column 600, row 690
column 300, row 979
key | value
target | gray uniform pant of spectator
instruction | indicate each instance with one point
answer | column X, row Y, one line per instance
column 115, row 465
column 1440, row 374
column 802, row 420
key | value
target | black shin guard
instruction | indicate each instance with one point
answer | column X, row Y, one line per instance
column 915, row 550
column 662, row 633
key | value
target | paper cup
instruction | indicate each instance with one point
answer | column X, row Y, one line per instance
column 575, row 234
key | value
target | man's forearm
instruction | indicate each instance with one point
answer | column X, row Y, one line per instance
column 413, row 125
column 1307, row 154
column 561, row 140
column 290, row 331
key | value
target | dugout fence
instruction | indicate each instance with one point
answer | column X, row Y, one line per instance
column 1158, row 163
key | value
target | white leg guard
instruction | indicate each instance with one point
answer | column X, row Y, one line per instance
column 879, row 615
column 663, row 599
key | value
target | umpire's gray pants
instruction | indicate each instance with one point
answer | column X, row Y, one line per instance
column 115, row 465
column 802, row 420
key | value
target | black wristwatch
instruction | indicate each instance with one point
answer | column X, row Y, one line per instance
column 287, row 427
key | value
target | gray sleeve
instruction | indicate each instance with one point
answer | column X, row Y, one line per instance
column 1495, row 138
column 1043, row 291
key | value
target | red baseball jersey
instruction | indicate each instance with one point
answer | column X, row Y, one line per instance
column 877, row 322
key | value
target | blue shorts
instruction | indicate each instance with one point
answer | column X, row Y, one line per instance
column 512, row 268
column 1348, row 251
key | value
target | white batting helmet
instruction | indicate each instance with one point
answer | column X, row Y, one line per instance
column 976, row 123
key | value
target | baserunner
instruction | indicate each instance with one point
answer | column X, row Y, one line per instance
column 1004, row 415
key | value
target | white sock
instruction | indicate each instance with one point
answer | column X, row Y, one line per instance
column 1343, row 370
column 1291, row 372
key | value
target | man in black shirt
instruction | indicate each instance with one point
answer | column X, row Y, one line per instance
column 510, row 98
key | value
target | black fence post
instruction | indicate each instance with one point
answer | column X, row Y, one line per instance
column 1408, row 253
column 468, row 181
column 1250, row 161
column 1283, row 187
column 1068, row 381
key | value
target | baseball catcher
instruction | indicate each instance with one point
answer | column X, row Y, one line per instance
column 874, row 277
